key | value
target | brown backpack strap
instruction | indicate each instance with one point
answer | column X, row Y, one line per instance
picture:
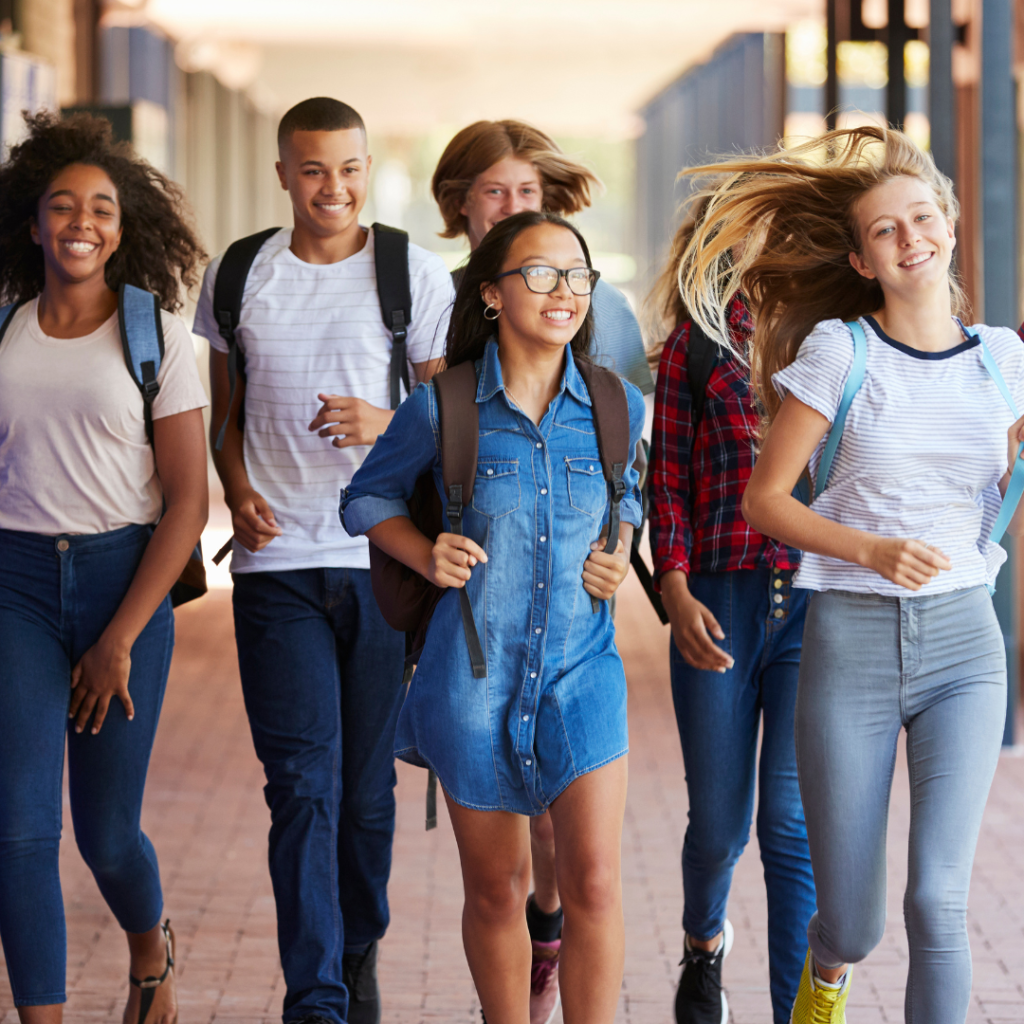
column 460, row 442
column 611, row 422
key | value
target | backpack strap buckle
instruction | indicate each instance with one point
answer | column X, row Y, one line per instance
column 454, row 507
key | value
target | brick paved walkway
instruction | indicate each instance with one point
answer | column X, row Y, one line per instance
column 205, row 813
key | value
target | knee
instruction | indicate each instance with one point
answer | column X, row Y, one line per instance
column 853, row 941
column 498, row 898
column 106, row 853
column 934, row 912
column 592, row 889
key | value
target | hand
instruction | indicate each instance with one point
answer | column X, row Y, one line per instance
column 358, row 421
column 693, row 625
column 252, row 520
column 908, row 563
column 100, row 675
column 1014, row 437
column 603, row 573
column 452, row 559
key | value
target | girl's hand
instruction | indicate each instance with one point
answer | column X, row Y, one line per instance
column 603, row 573
column 100, row 675
column 693, row 625
column 908, row 563
column 452, row 559
column 1014, row 436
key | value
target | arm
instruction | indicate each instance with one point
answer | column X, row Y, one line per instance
column 251, row 517
column 1015, row 437
column 102, row 673
column 693, row 624
column 771, row 509
column 352, row 421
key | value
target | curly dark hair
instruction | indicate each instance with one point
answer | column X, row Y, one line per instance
column 159, row 249
column 468, row 329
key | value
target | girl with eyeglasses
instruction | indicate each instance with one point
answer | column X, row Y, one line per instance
column 546, row 729
column 487, row 172
column 857, row 319
column 101, row 507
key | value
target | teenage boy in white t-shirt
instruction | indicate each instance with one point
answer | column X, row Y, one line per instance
column 321, row 670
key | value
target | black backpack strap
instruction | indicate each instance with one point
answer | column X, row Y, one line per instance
column 227, row 308
column 611, row 423
column 701, row 359
column 460, row 441
column 391, row 262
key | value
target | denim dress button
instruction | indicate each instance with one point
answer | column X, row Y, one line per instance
column 779, row 613
column 62, row 545
column 778, row 599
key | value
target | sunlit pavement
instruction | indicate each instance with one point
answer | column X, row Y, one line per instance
column 205, row 813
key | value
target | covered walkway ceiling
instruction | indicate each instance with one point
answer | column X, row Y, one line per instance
column 580, row 67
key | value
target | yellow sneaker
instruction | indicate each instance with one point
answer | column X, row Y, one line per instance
column 816, row 1004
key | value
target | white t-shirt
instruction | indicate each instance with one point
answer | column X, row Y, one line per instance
column 74, row 456
column 922, row 452
column 307, row 328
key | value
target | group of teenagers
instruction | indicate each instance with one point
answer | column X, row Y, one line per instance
column 831, row 446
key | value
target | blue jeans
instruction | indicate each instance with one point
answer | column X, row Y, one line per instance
column 935, row 665
column 57, row 595
column 322, row 678
column 718, row 715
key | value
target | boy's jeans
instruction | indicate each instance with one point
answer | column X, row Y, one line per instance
column 719, row 715
column 322, row 678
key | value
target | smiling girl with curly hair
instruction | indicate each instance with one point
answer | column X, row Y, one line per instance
column 99, row 516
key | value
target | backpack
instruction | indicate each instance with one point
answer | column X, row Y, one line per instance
column 391, row 264
column 142, row 341
column 1014, row 490
column 701, row 360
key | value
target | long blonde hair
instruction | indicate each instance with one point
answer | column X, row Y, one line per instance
column 780, row 227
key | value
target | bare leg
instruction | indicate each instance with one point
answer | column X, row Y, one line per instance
column 52, row 1014
column 495, row 852
column 149, row 960
column 545, row 880
column 588, row 839
column 830, row 974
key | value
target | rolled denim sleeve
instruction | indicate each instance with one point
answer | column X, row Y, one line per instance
column 384, row 483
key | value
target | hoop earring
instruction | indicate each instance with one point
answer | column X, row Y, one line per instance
column 497, row 312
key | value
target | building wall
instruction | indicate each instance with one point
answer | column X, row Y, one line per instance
column 47, row 29
column 734, row 101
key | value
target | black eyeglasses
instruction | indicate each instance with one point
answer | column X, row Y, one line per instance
column 544, row 280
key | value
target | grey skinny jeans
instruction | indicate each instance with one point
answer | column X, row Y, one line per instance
column 936, row 666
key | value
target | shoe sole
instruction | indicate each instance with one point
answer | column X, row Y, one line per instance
column 554, row 1009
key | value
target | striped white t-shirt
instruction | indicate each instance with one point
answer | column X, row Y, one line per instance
column 922, row 452
column 307, row 328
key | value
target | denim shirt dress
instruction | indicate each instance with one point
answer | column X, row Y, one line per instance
column 553, row 705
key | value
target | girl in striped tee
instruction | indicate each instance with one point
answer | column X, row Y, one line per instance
column 858, row 226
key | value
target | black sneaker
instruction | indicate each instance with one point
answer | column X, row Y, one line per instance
column 699, row 998
column 359, row 973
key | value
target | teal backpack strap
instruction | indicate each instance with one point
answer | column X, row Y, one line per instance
column 1016, row 486
column 6, row 316
column 142, row 339
column 853, row 384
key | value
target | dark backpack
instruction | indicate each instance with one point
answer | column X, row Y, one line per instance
column 142, row 341
column 391, row 263
column 701, row 360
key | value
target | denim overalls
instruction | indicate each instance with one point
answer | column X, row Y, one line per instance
column 553, row 705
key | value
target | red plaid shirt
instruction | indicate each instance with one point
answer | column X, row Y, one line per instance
column 697, row 483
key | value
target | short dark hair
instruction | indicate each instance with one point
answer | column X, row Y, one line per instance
column 319, row 114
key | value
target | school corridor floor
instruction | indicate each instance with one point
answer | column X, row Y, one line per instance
column 205, row 813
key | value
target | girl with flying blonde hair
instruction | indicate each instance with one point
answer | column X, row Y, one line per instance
column 899, row 542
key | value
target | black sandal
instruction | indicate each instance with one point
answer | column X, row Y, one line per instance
column 147, row 985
